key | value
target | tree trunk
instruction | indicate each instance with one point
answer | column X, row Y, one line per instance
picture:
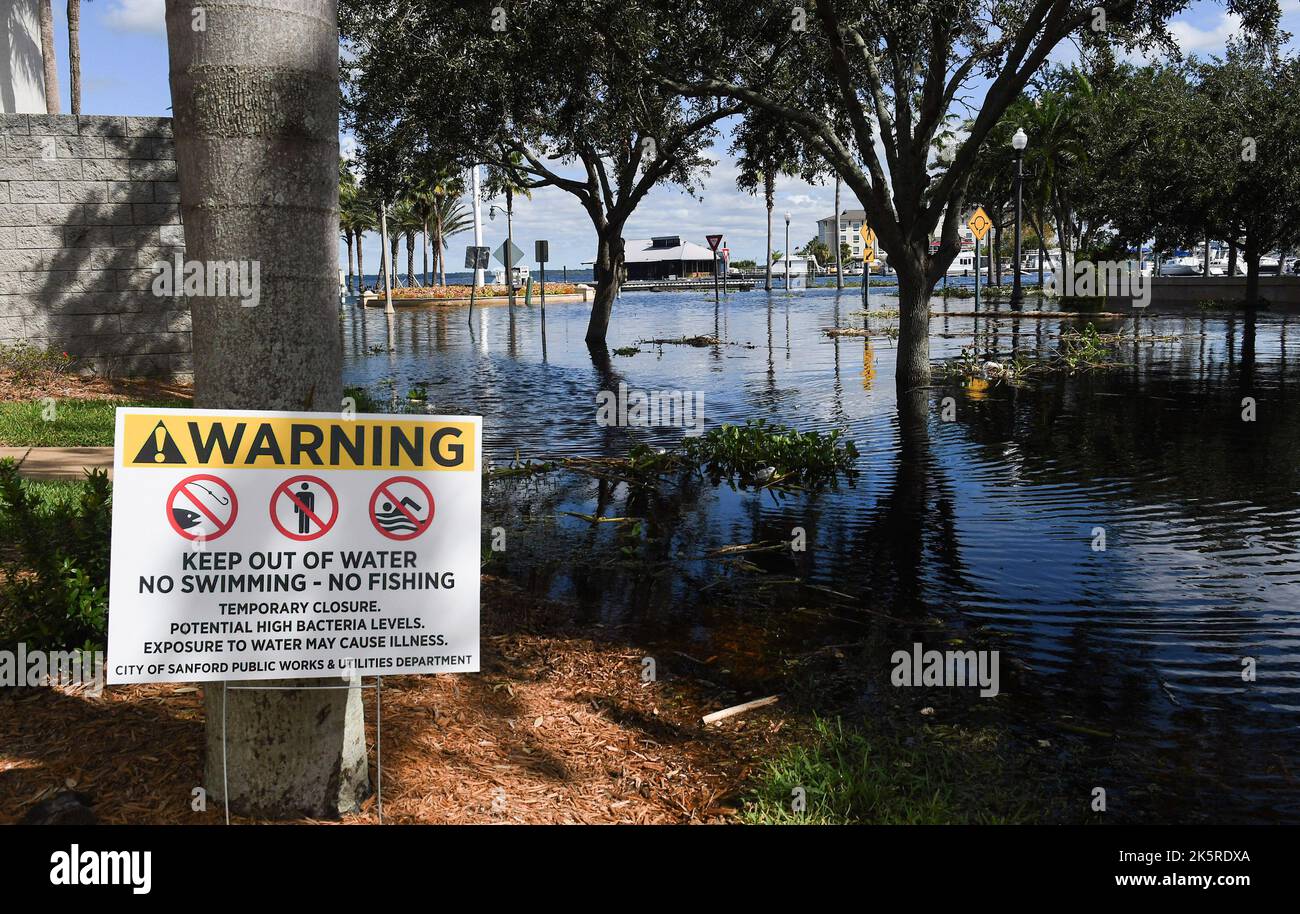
column 609, row 273
column 1253, row 254
column 49, row 57
column 996, row 261
column 1232, row 255
column 361, row 264
column 424, row 251
column 914, row 291
column 255, row 101
column 839, row 246
column 410, row 258
column 74, row 53
column 394, row 242
column 767, row 259
column 347, row 237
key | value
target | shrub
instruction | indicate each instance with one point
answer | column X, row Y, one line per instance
column 54, row 573
column 767, row 454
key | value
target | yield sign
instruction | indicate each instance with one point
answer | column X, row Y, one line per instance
column 714, row 241
column 516, row 255
column 979, row 223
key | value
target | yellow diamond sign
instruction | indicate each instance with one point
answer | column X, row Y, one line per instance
column 979, row 224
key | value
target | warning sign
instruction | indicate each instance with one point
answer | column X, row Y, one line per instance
column 356, row 549
column 401, row 508
column 202, row 507
column 304, row 508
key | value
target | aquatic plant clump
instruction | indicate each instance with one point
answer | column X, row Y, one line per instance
column 771, row 454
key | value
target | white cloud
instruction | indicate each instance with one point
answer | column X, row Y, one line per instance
column 136, row 16
column 1192, row 38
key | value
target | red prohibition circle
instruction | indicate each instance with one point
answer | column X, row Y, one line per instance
column 221, row 528
column 420, row 527
column 283, row 489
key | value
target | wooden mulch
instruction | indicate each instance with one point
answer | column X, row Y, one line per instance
column 557, row 728
column 62, row 386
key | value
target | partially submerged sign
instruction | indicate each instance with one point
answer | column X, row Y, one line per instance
column 265, row 545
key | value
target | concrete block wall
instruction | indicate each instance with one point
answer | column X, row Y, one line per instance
column 87, row 205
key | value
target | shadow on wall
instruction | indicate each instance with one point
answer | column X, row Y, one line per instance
column 93, row 205
column 22, row 69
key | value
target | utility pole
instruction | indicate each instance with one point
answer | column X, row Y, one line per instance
column 478, row 223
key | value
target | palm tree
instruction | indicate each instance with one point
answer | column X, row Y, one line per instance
column 74, row 53
column 49, row 58
column 407, row 223
column 450, row 217
column 285, row 354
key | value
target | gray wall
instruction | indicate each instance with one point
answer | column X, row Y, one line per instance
column 22, row 68
column 87, row 205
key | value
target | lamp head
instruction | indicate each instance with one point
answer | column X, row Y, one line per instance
column 1020, row 140
column 787, row 218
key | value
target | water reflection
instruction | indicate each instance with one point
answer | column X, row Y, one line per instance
column 987, row 523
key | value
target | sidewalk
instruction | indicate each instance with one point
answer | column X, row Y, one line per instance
column 59, row 462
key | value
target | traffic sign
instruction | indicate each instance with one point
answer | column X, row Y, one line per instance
column 868, row 236
column 476, row 258
column 304, row 508
column 401, row 508
column 979, row 223
column 714, row 241
column 541, row 251
column 517, row 256
column 202, row 507
column 340, row 566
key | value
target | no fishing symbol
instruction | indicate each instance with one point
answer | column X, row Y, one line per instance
column 304, row 508
column 202, row 507
column 401, row 508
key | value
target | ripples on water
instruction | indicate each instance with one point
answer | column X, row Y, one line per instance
column 988, row 521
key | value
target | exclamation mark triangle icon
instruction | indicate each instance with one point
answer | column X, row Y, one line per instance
column 159, row 448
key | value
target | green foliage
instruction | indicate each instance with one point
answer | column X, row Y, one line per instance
column 26, row 363
column 54, row 586
column 937, row 777
column 361, row 397
column 767, row 454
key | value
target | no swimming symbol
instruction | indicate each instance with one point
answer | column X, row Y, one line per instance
column 401, row 508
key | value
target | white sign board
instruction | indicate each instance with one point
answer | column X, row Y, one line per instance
column 273, row 545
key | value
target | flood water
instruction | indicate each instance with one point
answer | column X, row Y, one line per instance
column 983, row 528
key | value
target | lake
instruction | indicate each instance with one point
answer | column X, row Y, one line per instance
column 985, row 528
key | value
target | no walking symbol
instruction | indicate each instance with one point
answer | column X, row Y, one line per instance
column 202, row 507
column 304, row 508
column 401, row 508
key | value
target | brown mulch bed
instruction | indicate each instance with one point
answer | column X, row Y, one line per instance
column 62, row 386
column 557, row 728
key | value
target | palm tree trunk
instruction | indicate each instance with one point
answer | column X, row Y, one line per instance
column 49, row 57
column 74, row 53
column 839, row 262
column 424, row 249
column 361, row 265
column 769, row 194
column 268, row 105
column 410, row 258
column 347, row 237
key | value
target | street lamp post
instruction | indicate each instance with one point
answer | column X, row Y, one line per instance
column 510, row 243
column 1018, row 143
column 787, row 252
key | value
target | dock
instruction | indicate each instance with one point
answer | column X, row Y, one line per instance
column 686, row 285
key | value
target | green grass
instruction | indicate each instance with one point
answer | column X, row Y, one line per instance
column 73, row 423
column 935, row 776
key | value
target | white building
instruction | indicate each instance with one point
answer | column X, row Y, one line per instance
column 850, row 222
column 22, row 69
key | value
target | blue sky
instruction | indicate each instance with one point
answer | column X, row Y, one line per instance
column 124, row 71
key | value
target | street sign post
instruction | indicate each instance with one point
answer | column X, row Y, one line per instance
column 541, row 253
column 868, row 258
column 476, row 258
column 273, row 545
column 979, row 224
column 714, row 241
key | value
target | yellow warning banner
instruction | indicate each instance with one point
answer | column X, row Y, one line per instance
column 265, row 443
